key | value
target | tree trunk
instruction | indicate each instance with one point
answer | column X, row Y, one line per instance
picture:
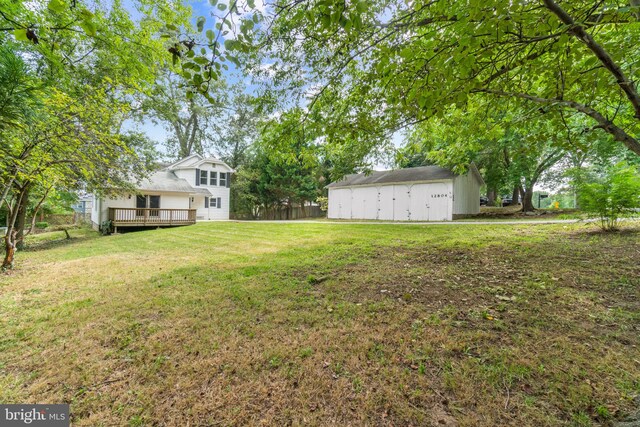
column 21, row 219
column 491, row 196
column 515, row 195
column 527, row 200
column 10, row 249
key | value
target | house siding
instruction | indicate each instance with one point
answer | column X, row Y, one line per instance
column 212, row 213
column 466, row 190
column 188, row 192
column 217, row 190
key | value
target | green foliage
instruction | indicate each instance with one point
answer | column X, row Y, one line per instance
column 282, row 170
column 324, row 203
column 372, row 68
column 42, row 224
column 106, row 227
column 17, row 88
column 191, row 120
column 610, row 194
column 69, row 73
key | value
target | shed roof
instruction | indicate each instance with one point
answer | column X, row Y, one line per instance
column 422, row 173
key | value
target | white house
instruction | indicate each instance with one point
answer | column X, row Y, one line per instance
column 189, row 190
column 427, row 193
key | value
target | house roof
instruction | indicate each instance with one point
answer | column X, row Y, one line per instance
column 196, row 160
column 186, row 162
column 422, row 173
column 165, row 180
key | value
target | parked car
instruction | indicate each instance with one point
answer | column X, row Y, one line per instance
column 506, row 201
column 484, row 201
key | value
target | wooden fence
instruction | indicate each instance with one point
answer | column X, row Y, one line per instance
column 284, row 213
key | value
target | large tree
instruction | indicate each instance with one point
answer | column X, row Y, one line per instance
column 76, row 66
column 73, row 142
column 191, row 119
column 404, row 62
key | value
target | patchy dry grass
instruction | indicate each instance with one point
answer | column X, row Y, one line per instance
column 316, row 324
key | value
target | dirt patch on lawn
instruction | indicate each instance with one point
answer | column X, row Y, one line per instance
column 521, row 330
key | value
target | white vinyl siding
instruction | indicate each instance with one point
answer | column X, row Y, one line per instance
column 467, row 195
column 394, row 202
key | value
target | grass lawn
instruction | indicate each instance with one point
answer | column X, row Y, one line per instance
column 316, row 324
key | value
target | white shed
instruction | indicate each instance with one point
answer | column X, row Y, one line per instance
column 427, row 193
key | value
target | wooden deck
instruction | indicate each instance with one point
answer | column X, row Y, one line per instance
column 149, row 217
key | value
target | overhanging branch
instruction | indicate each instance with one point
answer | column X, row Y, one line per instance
column 607, row 125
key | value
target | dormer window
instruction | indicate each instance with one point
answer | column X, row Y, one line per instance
column 203, row 177
column 213, row 178
column 223, row 179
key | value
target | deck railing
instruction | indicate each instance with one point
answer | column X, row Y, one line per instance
column 151, row 216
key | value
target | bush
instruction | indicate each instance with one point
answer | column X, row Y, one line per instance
column 42, row 225
column 610, row 195
column 106, row 227
column 323, row 202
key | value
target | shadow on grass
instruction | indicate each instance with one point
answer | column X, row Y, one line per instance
column 51, row 244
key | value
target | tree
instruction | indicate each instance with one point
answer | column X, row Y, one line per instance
column 18, row 94
column 239, row 129
column 513, row 148
column 189, row 117
column 17, row 89
column 411, row 61
column 72, row 142
column 285, row 176
column 76, row 67
column 608, row 194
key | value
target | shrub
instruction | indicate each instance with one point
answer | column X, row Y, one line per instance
column 42, row 224
column 610, row 194
column 106, row 227
column 323, row 202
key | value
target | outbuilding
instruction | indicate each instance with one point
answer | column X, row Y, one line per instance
column 426, row 193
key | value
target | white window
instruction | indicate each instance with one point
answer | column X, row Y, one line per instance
column 203, row 177
column 223, row 179
column 213, row 178
column 214, row 202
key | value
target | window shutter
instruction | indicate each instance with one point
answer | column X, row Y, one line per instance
column 228, row 179
column 219, row 202
column 198, row 177
column 206, row 202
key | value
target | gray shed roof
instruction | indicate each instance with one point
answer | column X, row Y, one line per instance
column 422, row 173
column 165, row 180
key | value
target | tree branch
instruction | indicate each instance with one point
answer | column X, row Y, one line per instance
column 607, row 61
column 607, row 125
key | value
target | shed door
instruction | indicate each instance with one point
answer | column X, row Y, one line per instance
column 364, row 202
column 332, row 209
column 438, row 202
column 419, row 204
column 401, row 203
column 385, row 202
column 343, row 202
column 358, row 201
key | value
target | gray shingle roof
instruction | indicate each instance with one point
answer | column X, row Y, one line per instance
column 165, row 180
column 422, row 173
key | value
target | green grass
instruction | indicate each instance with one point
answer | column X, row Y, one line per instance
column 316, row 324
